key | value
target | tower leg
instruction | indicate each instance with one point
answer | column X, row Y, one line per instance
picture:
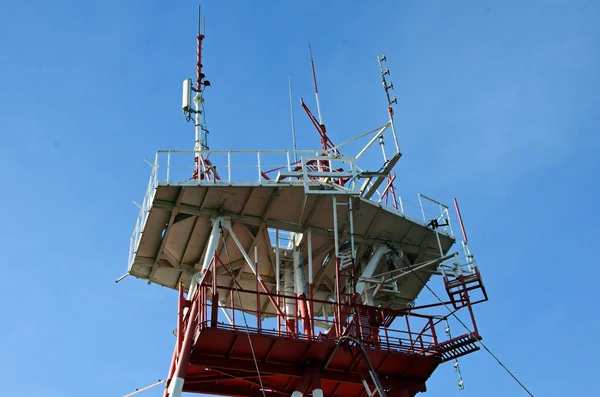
column 316, row 384
column 171, row 371
column 176, row 386
column 310, row 379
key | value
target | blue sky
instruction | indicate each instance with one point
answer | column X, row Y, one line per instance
column 497, row 105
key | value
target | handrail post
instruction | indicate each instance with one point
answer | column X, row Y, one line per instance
column 385, row 330
column 229, row 166
column 410, row 338
column 296, row 325
column 168, row 166
column 422, row 209
column 156, row 170
column 231, row 295
column 259, row 173
column 278, row 316
column 258, row 317
column 433, row 334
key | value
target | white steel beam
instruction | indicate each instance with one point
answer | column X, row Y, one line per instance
column 298, row 269
column 378, row 253
column 213, row 242
column 227, row 225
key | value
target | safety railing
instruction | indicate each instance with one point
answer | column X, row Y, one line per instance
column 234, row 167
column 372, row 326
column 136, row 236
column 308, row 168
column 436, row 214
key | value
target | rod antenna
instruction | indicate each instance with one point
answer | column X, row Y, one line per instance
column 199, row 38
column 201, row 132
column 312, row 64
column 387, row 87
column 292, row 119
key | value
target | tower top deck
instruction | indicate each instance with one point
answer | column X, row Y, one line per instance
column 273, row 204
column 336, row 211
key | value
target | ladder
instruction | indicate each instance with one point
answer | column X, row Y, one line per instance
column 345, row 252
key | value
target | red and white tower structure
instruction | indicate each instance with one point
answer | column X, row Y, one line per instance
column 301, row 277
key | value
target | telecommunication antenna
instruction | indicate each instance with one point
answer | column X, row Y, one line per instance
column 387, row 87
column 312, row 64
column 292, row 119
column 203, row 167
column 389, row 190
column 342, row 287
column 326, row 143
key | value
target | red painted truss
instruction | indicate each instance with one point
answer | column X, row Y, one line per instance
column 226, row 358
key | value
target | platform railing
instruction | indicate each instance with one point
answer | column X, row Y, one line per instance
column 143, row 214
column 234, row 167
column 268, row 168
column 420, row 336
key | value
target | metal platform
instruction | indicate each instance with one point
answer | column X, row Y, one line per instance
column 232, row 370
column 225, row 359
column 176, row 219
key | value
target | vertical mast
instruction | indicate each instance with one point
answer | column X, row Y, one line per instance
column 203, row 169
column 292, row 117
column 391, row 100
column 198, row 99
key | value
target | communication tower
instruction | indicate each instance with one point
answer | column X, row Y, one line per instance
column 297, row 270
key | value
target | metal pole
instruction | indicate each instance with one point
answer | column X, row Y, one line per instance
column 277, row 261
column 311, row 309
column 312, row 64
column 335, row 226
column 227, row 225
column 145, row 388
column 176, row 385
column 338, row 295
column 213, row 242
column 292, row 117
column 168, row 166
column 258, row 158
column 215, row 296
column 462, row 227
column 229, row 165
column 258, row 319
column 180, row 313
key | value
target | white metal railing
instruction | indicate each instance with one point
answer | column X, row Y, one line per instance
column 143, row 215
column 273, row 167
column 243, row 167
column 434, row 210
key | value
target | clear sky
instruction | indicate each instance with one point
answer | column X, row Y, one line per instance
column 497, row 105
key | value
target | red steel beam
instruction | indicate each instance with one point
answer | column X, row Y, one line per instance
column 462, row 227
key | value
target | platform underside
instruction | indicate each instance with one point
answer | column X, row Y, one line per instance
column 177, row 229
column 222, row 363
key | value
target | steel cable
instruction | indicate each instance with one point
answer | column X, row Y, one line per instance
column 262, row 389
column 464, row 325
